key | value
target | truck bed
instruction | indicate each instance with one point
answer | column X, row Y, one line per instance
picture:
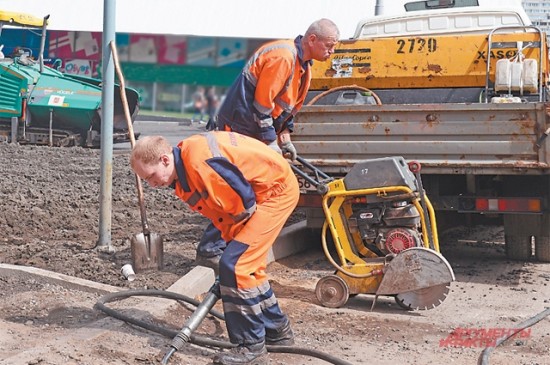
column 445, row 138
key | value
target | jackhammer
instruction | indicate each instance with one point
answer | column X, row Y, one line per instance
column 194, row 321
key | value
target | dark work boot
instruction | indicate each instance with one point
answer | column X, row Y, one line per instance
column 280, row 337
column 244, row 355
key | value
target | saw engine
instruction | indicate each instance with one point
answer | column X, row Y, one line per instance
column 387, row 228
column 384, row 232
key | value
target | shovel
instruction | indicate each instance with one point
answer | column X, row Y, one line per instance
column 147, row 247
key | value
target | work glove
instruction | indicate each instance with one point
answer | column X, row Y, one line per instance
column 275, row 146
column 289, row 149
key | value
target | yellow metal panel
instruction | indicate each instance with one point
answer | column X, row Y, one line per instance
column 20, row 19
column 419, row 62
column 363, row 285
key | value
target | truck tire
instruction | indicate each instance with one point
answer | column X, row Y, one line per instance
column 542, row 248
column 518, row 247
column 542, row 240
column 518, row 230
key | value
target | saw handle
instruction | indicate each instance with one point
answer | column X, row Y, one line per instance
column 312, row 168
column 320, row 179
column 415, row 167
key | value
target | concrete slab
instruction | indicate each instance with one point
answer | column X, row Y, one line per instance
column 60, row 279
column 293, row 239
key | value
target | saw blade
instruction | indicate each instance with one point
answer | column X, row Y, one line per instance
column 423, row 299
column 414, row 269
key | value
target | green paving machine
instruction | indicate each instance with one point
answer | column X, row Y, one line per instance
column 40, row 105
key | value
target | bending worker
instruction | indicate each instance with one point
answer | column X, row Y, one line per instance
column 248, row 191
column 264, row 98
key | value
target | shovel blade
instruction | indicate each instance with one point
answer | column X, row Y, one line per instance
column 147, row 252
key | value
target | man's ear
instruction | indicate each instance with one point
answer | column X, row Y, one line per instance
column 164, row 159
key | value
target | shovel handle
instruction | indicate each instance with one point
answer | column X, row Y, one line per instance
column 142, row 210
column 123, row 94
column 122, row 87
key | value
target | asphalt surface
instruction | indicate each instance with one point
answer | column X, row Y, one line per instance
column 173, row 130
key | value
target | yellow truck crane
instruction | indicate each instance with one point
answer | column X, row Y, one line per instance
column 459, row 86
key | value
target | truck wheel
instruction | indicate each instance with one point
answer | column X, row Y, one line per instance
column 542, row 240
column 518, row 247
column 542, row 249
column 518, row 230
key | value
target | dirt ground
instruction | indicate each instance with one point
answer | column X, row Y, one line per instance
column 49, row 214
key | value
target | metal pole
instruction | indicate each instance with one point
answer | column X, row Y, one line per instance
column 379, row 8
column 154, row 102
column 50, row 130
column 183, row 97
column 43, row 43
column 107, row 110
column 14, row 126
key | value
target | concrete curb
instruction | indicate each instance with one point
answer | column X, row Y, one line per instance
column 53, row 277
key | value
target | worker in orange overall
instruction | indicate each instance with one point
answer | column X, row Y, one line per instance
column 248, row 191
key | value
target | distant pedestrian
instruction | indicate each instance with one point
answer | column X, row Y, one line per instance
column 212, row 105
column 199, row 106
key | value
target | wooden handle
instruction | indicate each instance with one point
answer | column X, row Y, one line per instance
column 139, row 186
column 123, row 94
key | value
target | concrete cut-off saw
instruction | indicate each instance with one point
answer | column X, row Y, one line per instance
column 384, row 232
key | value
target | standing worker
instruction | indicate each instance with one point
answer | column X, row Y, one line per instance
column 264, row 98
column 248, row 191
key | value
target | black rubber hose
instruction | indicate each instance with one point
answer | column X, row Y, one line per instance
column 195, row 339
column 484, row 357
column 307, row 352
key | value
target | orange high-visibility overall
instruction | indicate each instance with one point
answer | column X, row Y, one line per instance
column 270, row 90
column 248, row 191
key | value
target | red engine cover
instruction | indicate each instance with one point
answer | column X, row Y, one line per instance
column 400, row 239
